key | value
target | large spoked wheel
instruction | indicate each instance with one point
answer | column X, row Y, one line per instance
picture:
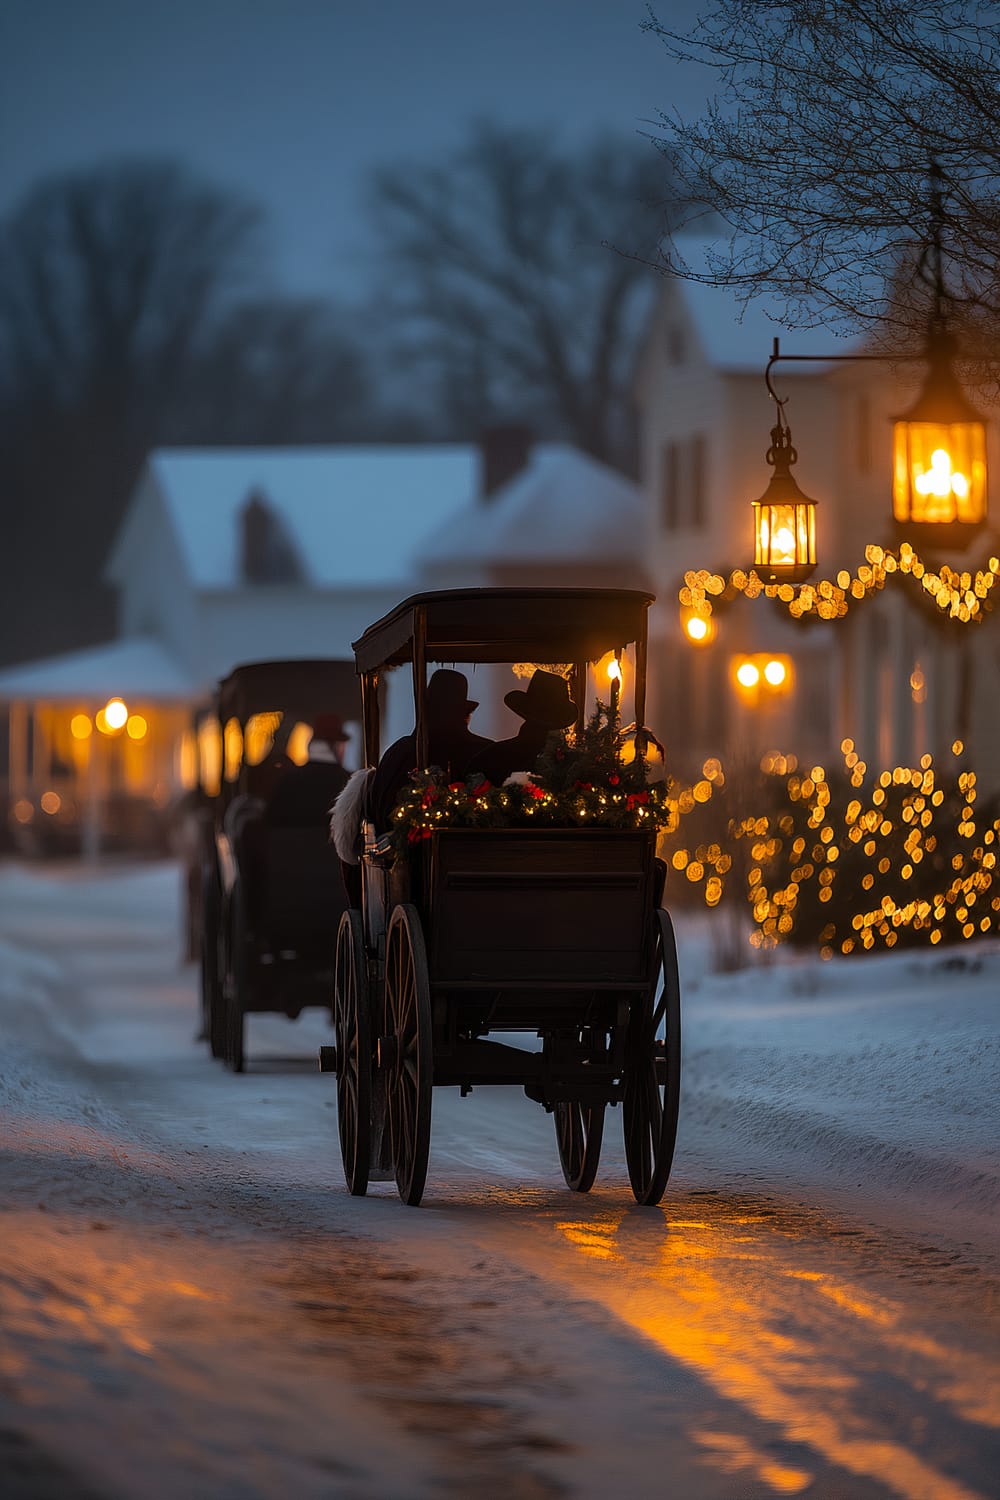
column 354, row 1053
column 237, row 983
column 579, row 1133
column 653, row 1072
column 408, row 1051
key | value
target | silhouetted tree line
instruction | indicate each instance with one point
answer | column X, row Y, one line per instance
column 135, row 312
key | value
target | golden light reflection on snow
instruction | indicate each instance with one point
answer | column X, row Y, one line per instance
column 733, row 1455
column 732, row 1301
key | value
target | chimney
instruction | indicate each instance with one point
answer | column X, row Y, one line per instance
column 503, row 452
column 267, row 552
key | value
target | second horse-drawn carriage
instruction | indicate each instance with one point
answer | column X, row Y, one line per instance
column 271, row 887
column 487, row 913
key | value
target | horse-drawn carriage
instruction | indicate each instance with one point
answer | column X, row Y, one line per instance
column 272, row 890
column 467, row 937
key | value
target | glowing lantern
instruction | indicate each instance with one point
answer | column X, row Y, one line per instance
column 784, row 519
column 939, row 459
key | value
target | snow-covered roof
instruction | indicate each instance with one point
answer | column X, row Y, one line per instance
column 139, row 668
column 353, row 514
column 563, row 506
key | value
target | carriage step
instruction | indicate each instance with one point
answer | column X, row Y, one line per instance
column 328, row 1059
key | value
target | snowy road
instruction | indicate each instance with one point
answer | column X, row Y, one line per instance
column 192, row 1305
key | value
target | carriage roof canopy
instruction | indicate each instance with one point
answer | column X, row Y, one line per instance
column 304, row 686
column 504, row 625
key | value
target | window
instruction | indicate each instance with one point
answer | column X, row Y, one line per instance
column 863, row 434
column 698, row 482
column 676, row 344
column 670, row 486
column 683, row 499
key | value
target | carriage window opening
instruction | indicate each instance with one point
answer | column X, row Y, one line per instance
column 210, row 756
column 669, row 486
column 232, row 749
column 187, row 760
column 298, row 743
column 259, row 736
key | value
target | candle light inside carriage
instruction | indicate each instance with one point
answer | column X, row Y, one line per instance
column 615, row 676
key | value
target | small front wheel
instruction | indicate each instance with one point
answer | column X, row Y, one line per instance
column 408, row 1051
column 579, row 1133
column 653, row 1072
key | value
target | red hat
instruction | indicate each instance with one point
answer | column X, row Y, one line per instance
column 330, row 729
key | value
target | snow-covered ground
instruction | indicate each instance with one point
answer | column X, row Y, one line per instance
column 193, row 1305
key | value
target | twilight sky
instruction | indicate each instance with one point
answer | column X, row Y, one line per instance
column 294, row 100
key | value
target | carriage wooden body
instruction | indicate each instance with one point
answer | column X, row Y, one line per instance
column 478, row 935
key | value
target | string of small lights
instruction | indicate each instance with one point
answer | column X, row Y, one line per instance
column 852, row 861
column 964, row 597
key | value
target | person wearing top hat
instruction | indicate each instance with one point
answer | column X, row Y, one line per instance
column 305, row 794
column 544, row 705
column 451, row 744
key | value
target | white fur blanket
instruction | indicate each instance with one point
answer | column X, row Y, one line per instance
column 346, row 817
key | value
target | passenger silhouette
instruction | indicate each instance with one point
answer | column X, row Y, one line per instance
column 451, row 744
column 544, row 706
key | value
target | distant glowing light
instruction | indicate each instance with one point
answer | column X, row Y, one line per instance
column 775, row 672
column 23, row 810
column 80, row 727
column 747, row 674
column 697, row 628
column 136, row 728
column 115, row 714
column 51, row 802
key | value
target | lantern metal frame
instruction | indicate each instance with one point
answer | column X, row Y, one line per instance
column 783, row 511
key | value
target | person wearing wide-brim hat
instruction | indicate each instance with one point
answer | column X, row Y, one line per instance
column 451, row 744
column 545, row 705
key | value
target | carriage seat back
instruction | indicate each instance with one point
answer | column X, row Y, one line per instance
column 304, row 891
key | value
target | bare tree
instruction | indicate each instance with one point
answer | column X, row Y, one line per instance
column 110, row 278
column 135, row 310
column 501, row 273
column 818, row 148
column 277, row 370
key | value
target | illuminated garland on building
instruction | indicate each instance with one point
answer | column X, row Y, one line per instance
column 960, row 596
